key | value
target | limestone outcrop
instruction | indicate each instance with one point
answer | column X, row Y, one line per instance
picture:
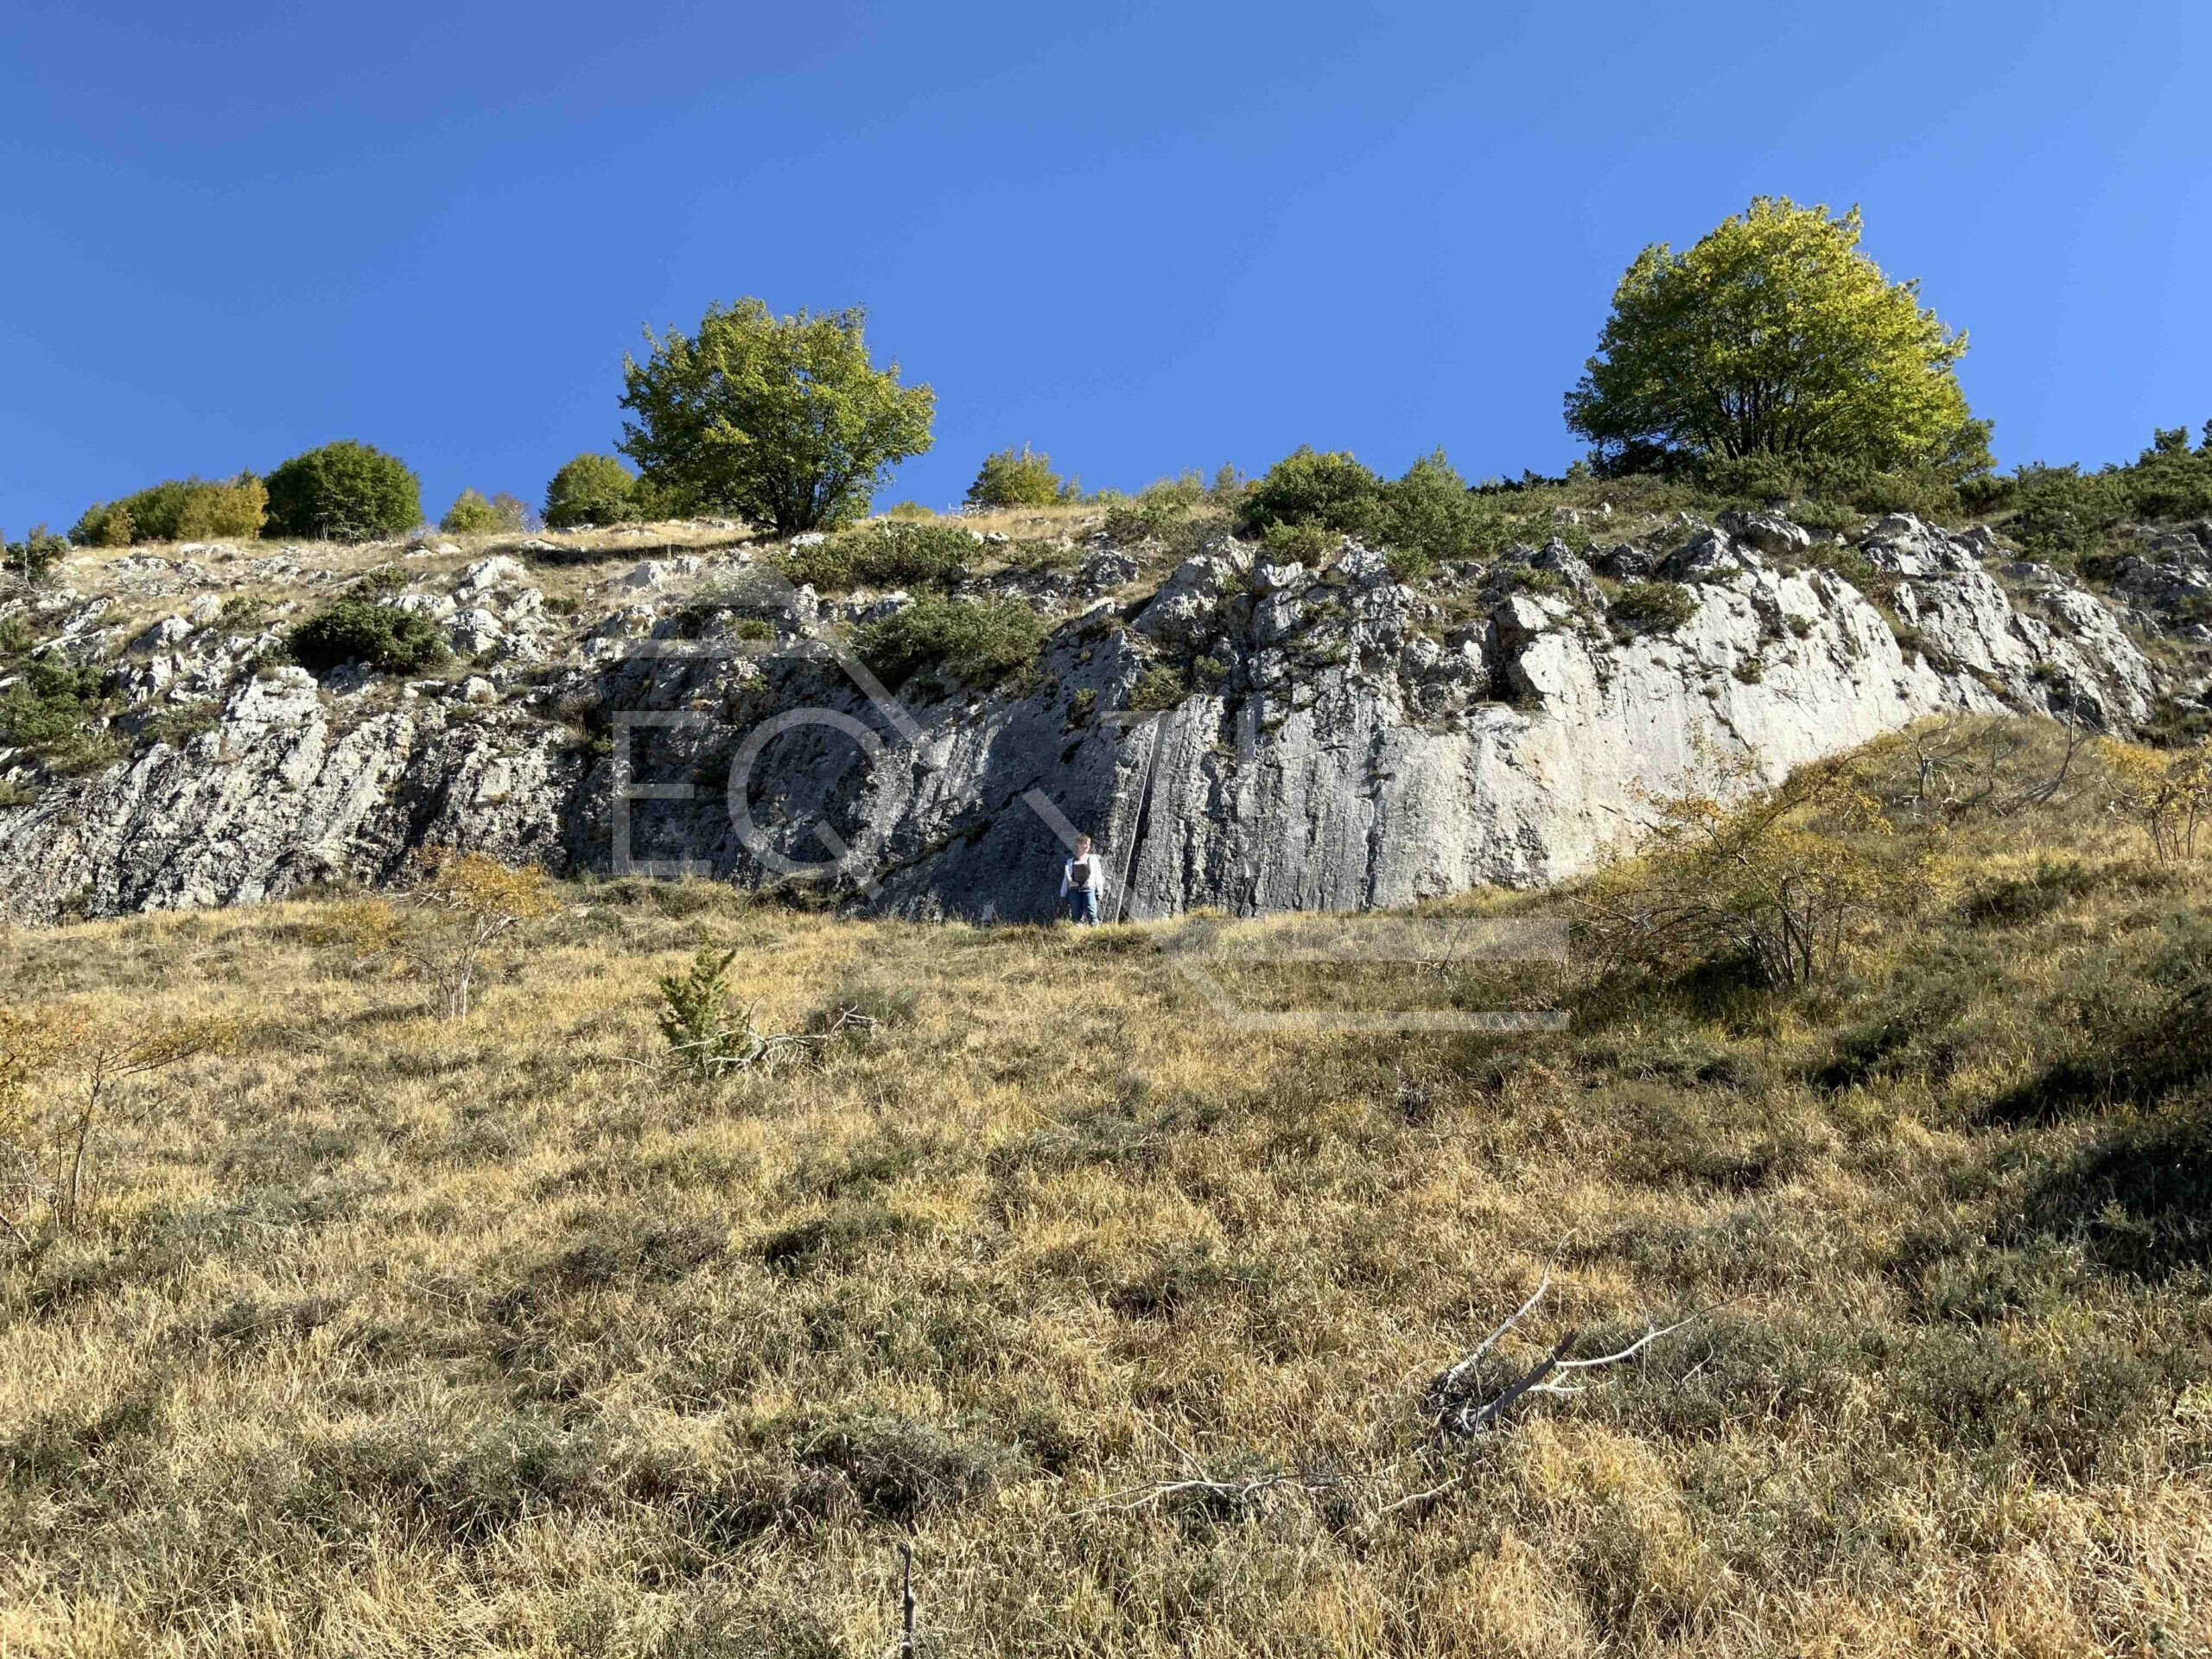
column 1331, row 738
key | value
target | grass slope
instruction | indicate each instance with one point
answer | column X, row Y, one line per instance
column 385, row 1335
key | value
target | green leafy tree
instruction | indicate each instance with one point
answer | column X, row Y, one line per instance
column 177, row 509
column 781, row 420
column 344, row 491
column 591, row 490
column 1775, row 335
column 471, row 514
column 1015, row 478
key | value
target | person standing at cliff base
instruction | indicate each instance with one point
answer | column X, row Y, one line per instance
column 1081, row 879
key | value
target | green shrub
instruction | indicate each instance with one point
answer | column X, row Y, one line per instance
column 891, row 554
column 344, row 491
column 1653, row 607
column 232, row 508
column 35, row 555
column 471, row 514
column 243, row 614
column 911, row 510
column 1824, row 490
column 697, row 1019
column 354, row 630
column 49, row 711
column 1156, row 512
column 2067, row 516
column 1016, row 479
column 1760, row 480
column 980, row 642
column 1427, row 514
column 1307, row 544
column 1308, row 487
column 1160, row 686
column 104, row 524
column 591, row 490
column 178, row 510
column 2169, row 480
column 178, row 726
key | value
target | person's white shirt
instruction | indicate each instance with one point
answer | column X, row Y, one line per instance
column 1097, row 873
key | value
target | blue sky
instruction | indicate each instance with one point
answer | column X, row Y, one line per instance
column 1144, row 238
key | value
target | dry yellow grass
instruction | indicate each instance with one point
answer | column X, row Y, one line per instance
column 385, row 1334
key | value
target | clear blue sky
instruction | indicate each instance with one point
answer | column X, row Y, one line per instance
column 1144, row 238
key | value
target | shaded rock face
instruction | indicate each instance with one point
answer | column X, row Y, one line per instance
column 284, row 791
column 1347, row 739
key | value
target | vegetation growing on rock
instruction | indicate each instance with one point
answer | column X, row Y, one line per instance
column 361, row 630
column 981, row 642
column 473, row 514
column 344, row 491
column 893, row 554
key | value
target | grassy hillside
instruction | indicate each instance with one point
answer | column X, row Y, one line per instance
column 381, row 1333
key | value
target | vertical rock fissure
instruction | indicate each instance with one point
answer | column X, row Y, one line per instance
column 1122, row 907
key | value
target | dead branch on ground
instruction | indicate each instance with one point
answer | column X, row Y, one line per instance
column 1468, row 1403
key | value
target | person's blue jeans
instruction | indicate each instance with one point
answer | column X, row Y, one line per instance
column 1083, row 906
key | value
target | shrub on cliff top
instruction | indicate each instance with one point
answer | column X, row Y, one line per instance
column 177, row 509
column 344, row 491
column 1016, row 479
column 591, row 490
column 1309, row 488
column 899, row 554
column 471, row 514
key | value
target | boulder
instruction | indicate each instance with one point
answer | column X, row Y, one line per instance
column 1626, row 562
column 653, row 575
column 1769, row 532
column 475, row 630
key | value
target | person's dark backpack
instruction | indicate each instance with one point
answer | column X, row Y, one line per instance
column 1079, row 873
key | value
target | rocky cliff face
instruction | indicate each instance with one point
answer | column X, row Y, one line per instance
column 1343, row 739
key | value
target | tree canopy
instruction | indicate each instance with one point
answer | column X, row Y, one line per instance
column 782, row 420
column 1011, row 478
column 590, row 489
column 1774, row 334
column 345, row 490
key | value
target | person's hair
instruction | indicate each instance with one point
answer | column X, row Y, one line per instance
column 1081, row 842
